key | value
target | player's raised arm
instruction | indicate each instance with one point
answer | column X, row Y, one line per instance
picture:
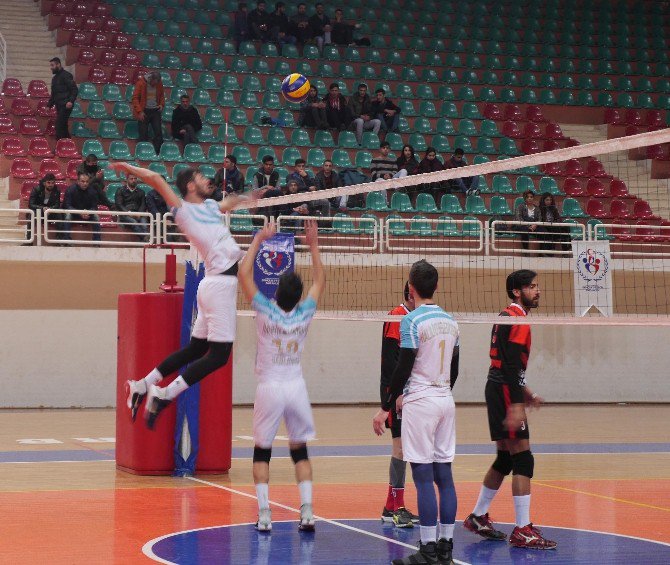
column 231, row 201
column 246, row 269
column 153, row 179
column 318, row 274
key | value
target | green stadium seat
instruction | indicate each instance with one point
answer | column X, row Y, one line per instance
column 499, row 206
column 508, row 147
column 441, row 143
column 427, row 109
column 395, row 141
column 507, row 95
column 253, row 136
column 423, row 125
column 315, row 157
column 485, row 145
column 144, row 151
column 107, row 130
column 290, row 155
column 276, row 136
column 171, row 62
column 347, row 139
column 238, row 117
column 265, row 151
column 330, row 53
column 88, row 91
column 524, row 183
column 300, row 137
column 271, row 101
column 475, row 205
column 421, row 226
column 445, row 126
column 548, row 184
column 341, row 159
column 214, row 116
column 249, row 100
column 429, row 75
column 226, row 99
column 572, row 209
column 402, row 91
column 370, row 140
column 467, row 127
column 463, row 143
column 471, row 111
column 243, row 155
column 584, row 99
column 193, row 153
column 201, row 97
column 169, row 151
column 261, row 66
column 426, row 203
column 217, row 64
column 363, row 160
column 376, row 201
column 449, row 110
column 206, row 134
column 216, row 153
column 130, row 130
column 400, row 202
column 450, row 204
column 161, row 169
column 93, row 147
column 324, row 139
column 417, row 141
column 425, row 92
column 396, row 225
column 466, row 93
column 447, row 227
column 97, row 111
column 471, row 227
column 119, row 151
column 239, row 66
column 195, row 63
column 502, row 185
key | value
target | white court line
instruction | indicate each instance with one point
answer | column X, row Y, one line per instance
column 297, row 511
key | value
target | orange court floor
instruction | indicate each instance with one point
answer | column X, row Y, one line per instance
column 601, row 489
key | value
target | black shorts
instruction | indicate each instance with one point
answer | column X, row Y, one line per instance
column 393, row 423
column 497, row 403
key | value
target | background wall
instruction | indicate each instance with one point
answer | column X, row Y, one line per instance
column 63, row 358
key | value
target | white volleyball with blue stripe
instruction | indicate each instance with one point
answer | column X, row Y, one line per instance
column 295, row 87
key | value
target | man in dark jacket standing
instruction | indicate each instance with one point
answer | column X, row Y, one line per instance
column 63, row 94
column 129, row 198
column 44, row 196
column 79, row 197
column 186, row 122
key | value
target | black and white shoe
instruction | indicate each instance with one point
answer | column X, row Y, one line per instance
column 136, row 391
column 156, row 403
column 445, row 548
column 427, row 555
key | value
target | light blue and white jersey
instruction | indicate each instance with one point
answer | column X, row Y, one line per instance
column 205, row 228
column 434, row 334
column 281, row 338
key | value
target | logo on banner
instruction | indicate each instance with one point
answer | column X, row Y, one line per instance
column 592, row 267
column 274, row 263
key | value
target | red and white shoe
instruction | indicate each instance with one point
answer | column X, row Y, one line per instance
column 530, row 537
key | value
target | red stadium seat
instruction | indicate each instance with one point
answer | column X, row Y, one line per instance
column 44, row 110
column 654, row 119
column 511, row 129
column 38, row 89
column 51, row 166
column 3, row 109
column 572, row 187
column 72, row 167
column 26, row 189
column 492, row 111
column 110, row 26
column 39, row 147
column 119, row 76
column 622, row 233
column 81, row 8
column 534, row 114
column 513, row 112
column 619, row 189
column 86, row 57
column 552, row 169
column 100, row 10
column 550, row 145
column 647, row 233
column 12, row 87
column 30, row 126
column 51, row 127
column 613, row 117
column 100, row 40
column 6, row 126
column 90, row 23
column 532, row 131
column 96, row 75
column 67, row 149
column 21, row 107
column 530, row 146
column 79, row 39
column 570, row 142
column 596, row 209
column 643, row 211
column 22, row 169
column 594, row 168
column 120, row 41
column 553, row 131
column 633, row 118
column 573, row 168
column 61, row 9
column 619, row 209
column 68, row 23
column 108, row 58
column 12, row 147
column 130, row 59
column 596, row 188
column 631, row 130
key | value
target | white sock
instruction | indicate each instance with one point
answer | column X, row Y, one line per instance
column 486, row 496
column 262, row 494
column 175, row 388
column 446, row 531
column 305, row 492
column 428, row 534
column 522, row 510
column 153, row 378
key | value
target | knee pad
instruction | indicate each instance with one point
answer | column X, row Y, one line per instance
column 503, row 463
column 299, row 454
column 263, row 455
column 523, row 464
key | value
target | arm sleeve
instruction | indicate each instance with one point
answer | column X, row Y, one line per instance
column 454, row 366
column 401, row 374
column 512, row 366
column 174, row 124
column 34, row 202
column 118, row 201
column 390, row 351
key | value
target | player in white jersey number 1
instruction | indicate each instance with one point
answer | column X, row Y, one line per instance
column 421, row 386
column 201, row 219
column 282, row 326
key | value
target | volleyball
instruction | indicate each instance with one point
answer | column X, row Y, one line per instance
column 295, row 87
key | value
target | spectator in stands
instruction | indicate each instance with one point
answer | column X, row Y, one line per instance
column 386, row 111
column 266, row 178
column 280, row 26
column 148, row 102
column 63, row 95
column 554, row 234
column 45, row 196
column 407, row 161
column 296, row 208
column 336, row 108
column 79, row 197
column 527, row 211
column 360, row 110
column 320, row 24
column 186, row 122
column 300, row 25
column 91, row 167
column 240, row 24
column 313, row 111
column 466, row 185
column 328, row 178
column 382, row 167
column 259, row 23
column 319, row 207
column 130, row 198
column 430, row 164
column 233, row 177
column 302, row 177
column 342, row 33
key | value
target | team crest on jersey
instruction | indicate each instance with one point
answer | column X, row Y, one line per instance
column 273, row 262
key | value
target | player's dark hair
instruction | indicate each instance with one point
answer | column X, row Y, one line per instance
column 183, row 178
column 423, row 277
column 289, row 291
column 55, row 60
column 405, row 292
column 526, row 193
column 299, row 162
column 384, row 144
column 268, row 159
column 518, row 279
column 232, row 159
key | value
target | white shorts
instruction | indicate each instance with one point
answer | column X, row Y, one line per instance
column 217, row 309
column 276, row 400
column 429, row 430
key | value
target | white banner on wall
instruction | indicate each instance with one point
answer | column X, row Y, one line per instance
column 593, row 277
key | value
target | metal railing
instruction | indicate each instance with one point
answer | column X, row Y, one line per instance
column 640, row 240
column 341, row 234
column 17, row 226
column 3, row 58
column 545, row 237
column 239, row 224
column 433, row 235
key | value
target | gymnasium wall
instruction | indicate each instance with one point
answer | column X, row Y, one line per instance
column 58, row 344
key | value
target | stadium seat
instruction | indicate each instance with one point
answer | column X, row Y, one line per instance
column 216, row 154
column 253, row 135
column 440, row 143
column 300, row 138
column 290, row 155
column 21, row 168
column 500, row 207
column 93, row 147
column 315, row 157
column 548, row 184
column 642, row 210
column 276, row 136
column 572, row 209
column 193, row 153
column 450, row 204
column 396, row 225
column 39, row 147
column 619, row 209
column 30, row 126
column 341, row 159
column 12, row 147
column 12, row 87
column 502, row 185
column 376, row 201
column 107, row 130
column 424, row 203
column 97, row 111
column 471, row 226
column 243, row 155
column 475, row 205
column 596, row 208
column 324, row 139
column 37, row 89
column 119, row 151
column 417, row 141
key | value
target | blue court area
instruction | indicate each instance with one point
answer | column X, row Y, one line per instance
column 371, row 542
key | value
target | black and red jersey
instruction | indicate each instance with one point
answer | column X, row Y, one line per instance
column 509, row 352
column 390, row 348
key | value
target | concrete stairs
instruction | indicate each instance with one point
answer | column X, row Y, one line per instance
column 635, row 173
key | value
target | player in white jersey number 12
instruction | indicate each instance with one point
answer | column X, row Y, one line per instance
column 282, row 325
column 201, row 219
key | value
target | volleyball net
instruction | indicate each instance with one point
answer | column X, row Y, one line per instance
column 601, row 245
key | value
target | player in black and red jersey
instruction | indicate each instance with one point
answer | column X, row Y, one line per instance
column 394, row 509
column 507, row 395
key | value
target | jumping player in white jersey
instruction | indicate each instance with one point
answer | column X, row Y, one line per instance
column 282, row 326
column 421, row 387
column 201, row 219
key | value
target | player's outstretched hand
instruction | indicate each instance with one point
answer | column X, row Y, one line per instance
column 268, row 231
column 311, row 233
column 378, row 422
column 535, row 401
column 119, row 167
